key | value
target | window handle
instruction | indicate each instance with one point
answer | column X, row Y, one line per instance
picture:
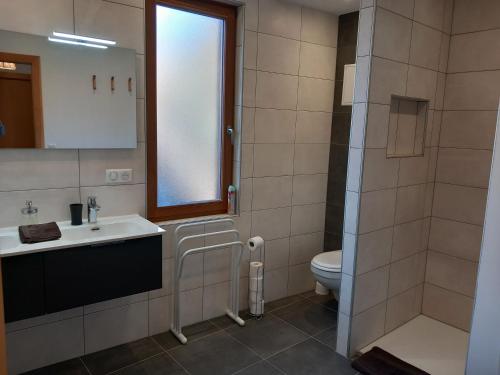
column 230, row 133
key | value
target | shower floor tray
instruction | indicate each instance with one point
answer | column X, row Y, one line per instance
column 428, row 344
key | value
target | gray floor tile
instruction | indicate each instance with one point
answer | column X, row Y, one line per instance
column 268, row 335
column 328, row 337
column 159, row 365
column 261, row 368
column 225, row 321
column 71, row 367
column 327, row 301
column 274, row 305
column 168, row 341
column 217, row 354
column 118, row 357
column 311, row 357
column 308, row 317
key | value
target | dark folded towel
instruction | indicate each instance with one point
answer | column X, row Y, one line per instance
column 380, row 362
column 39, row 233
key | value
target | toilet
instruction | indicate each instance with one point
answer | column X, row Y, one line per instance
column 327, row 269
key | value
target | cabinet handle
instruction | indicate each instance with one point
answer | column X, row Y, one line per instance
column 94, row 83
column 112, row 83
column 107, row 243
column 130, row 84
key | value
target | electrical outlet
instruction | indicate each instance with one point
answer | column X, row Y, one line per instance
column 116, row 176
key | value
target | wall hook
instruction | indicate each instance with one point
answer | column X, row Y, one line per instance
column 94, row 83
column 130, row 84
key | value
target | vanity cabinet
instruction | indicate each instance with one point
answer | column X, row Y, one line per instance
column 57, row 280
column 23, row 287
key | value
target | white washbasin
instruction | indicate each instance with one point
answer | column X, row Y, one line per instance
column 107, row 229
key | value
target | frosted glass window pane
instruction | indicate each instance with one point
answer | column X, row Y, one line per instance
column 189, row 66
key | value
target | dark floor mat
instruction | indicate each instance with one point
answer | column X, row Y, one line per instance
column 380, row 362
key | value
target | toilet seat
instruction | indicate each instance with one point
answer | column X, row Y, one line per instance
column 330, row 261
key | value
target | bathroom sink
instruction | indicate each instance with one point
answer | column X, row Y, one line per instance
column 107, row 229
column 9, row 240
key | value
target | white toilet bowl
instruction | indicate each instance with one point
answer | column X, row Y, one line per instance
column 327, row 269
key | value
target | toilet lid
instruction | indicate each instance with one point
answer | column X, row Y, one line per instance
column 328, row 261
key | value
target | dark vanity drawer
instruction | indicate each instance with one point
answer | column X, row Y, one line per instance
column 23, row 286
column 90, row 274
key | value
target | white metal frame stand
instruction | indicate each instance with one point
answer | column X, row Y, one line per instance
column 179, row 257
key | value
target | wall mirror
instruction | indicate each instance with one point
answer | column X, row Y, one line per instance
column 66, row 95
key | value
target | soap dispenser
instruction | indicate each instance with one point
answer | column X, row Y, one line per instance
column 30, row 214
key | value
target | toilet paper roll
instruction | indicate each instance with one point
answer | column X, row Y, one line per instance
column 256, row 269
column 257, row 308
column 255, row 283
column 255, row 243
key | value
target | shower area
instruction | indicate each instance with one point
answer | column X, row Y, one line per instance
column 423, row 127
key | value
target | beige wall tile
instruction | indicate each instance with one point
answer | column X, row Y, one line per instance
column 245, row 202
column 276, row 284
column 465, row 48
column 317, row 61
column 108, row 328
column 272, row 192
column 367, row 327
column 249, row 85
column 402, row 308
column 248, row 125
column 422, row 84
column 392, row 36
column 446, row 306
column 250, row 46
column 191, row 306
column 108, row 20
column 271, row 224
column 36, row 17
column 300, row 279
column 52, row 204
column 277, row 253
column 459, row 203
column 387, row 78
column 378, row 126
column 309, row 188
column 251, row 14
column 374, row 250
column 215, row 300
column 468, row 129
column 118, row 200
column 279, row 18
column 410, row 203
column 313, row 127
column 279, row 55
column 377, row 210
column 403, row 7
column 46, row 344
column 379, row 172
column 408, row 240
column 315, row 94
column 464, row 167
column 274, row 126
column 354, row 169
column 444, row 53
column 430, row 12
column 216, row 264
column 413, row 170
column 473, row 91
column 425, row 46
column 406, row 273
column 451, row 273
column 276, row 91
column 311, row 158
column 456, row 239
column 319, row 27
column 440, row 90
column 475, row 16
column 351, row 212
column 247, row 160
column 308, row 218
column 370, row 289
column 159, row 315
column 94, row 163
column 362, row 77
column 38, row 169
column 358, row 125
column 273, row 160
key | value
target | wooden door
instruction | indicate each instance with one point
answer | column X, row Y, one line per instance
column 16, row 111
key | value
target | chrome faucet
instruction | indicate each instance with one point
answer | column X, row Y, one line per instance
column 92, row 209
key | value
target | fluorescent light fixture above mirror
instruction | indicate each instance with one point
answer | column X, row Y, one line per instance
column 81, row 38
column 74, row 42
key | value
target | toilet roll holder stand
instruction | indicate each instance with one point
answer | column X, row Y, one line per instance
column 182, row 252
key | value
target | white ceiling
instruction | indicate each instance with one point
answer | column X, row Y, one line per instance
column 332, row 6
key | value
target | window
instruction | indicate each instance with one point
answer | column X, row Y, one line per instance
column 190, row 57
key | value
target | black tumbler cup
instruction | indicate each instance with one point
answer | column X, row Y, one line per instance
column 76, row 213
